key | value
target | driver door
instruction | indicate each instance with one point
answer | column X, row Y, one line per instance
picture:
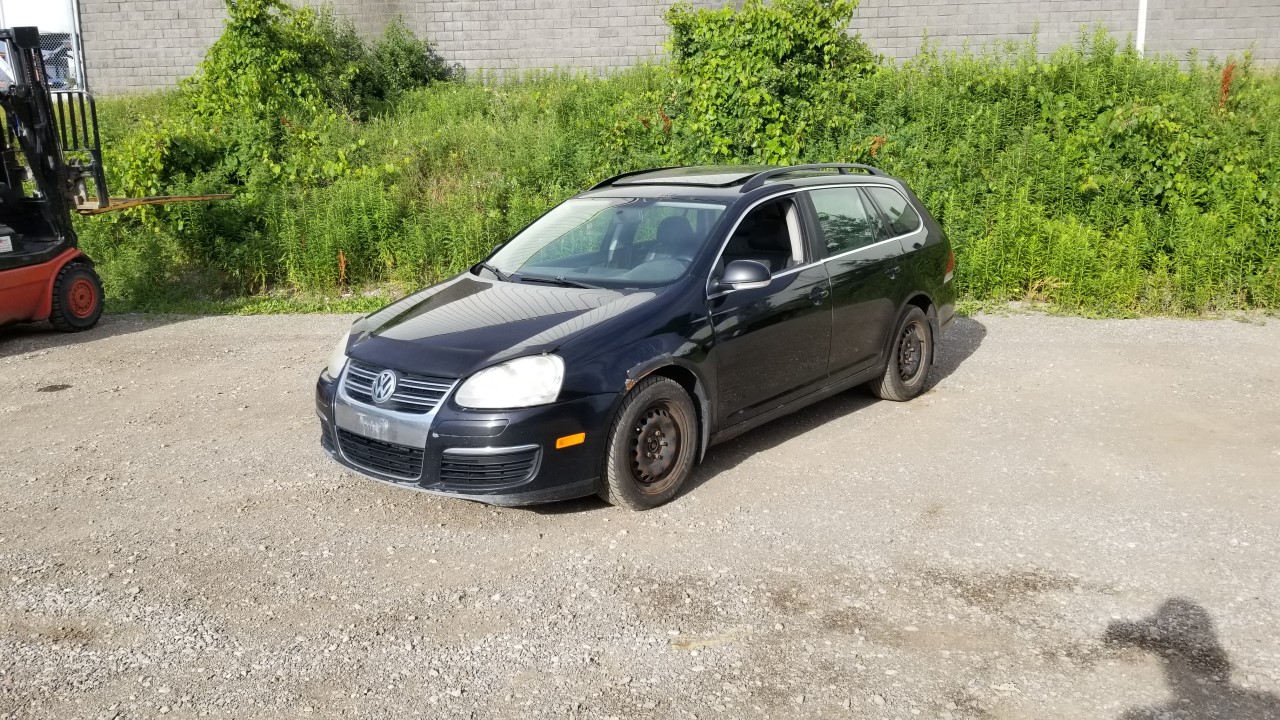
column 771, row 344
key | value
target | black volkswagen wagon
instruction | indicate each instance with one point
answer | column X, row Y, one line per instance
column 606, row 346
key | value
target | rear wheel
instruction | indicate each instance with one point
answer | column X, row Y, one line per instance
column 651, row 445
column 910, row 357
column 77, row 298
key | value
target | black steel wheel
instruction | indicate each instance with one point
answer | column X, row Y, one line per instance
column 910, row 357
column 652, row 445
column 77, row 298
column 911, row 350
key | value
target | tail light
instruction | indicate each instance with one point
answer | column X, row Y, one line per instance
column 951, row 267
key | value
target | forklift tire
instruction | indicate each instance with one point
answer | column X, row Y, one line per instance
column 77, row 298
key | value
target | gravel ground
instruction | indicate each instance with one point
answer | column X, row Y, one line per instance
column 1079, row 520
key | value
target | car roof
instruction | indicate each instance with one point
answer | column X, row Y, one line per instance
column 729, row 182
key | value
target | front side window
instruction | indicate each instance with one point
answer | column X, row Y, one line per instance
column 846, row 223
column 769, row 235
column 902, row 217
column 612, row 242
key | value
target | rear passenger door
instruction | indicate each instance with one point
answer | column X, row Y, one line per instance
column 862, row 262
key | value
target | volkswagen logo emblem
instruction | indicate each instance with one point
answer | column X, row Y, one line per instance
column 384, row 386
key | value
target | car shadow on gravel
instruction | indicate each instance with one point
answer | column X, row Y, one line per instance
column 33, row 337
column 728, row 455
column 960, row 340
column 1196, row 667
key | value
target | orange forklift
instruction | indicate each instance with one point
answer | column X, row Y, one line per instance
column 49, row 154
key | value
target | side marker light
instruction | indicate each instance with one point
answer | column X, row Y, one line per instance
column 571, row 440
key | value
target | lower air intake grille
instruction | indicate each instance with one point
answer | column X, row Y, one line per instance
column 398, row 461
column 493, row 467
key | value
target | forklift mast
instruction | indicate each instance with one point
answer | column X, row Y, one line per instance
column 45, row 130
column 57, row 131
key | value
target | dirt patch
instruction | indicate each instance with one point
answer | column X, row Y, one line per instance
column 860, row 622
column 51, row 630
column 1084, row 655
column 789, row 600
column 1000, row 592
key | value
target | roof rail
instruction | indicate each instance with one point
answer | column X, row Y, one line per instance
column 609, row 181
column 759, row 179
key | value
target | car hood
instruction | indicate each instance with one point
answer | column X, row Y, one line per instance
column 468, row 323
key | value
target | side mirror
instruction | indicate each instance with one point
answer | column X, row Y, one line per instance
column 743, row 275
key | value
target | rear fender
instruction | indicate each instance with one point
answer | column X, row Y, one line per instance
column 26, row 293
column 45, row 308
column 931, row 314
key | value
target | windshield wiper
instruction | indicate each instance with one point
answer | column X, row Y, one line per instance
column 560, row 280
column 498, row 273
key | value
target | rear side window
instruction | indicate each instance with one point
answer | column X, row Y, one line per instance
column 844, row 220
column 902, row 217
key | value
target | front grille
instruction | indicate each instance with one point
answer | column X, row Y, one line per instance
column 500, row 468
column 398, row 461
column 414, row 393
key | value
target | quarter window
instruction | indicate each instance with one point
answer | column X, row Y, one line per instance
column 902, row 217
column 844, row 220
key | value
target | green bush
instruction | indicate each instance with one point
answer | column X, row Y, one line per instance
column 1095, row 180
column 754, row 84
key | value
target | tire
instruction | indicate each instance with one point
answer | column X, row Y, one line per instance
column 910, row 357
column 77, row 298
column 656, row 416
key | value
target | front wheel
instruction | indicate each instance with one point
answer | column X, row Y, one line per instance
column 77, row 298
column 910, row 357
column 651, row 447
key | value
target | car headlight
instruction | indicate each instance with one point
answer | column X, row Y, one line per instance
column 338, row 358
column 523, row 382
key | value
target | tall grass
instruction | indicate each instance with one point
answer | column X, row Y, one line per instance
column 1095, row 180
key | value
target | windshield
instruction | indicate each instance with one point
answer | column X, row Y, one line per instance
column 609, row 242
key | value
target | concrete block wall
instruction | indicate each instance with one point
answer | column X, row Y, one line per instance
column 523, row 34
column 1215, row 27
column 897, row 28
column 139, row 45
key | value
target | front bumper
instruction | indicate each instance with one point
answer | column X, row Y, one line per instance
column 498, row 457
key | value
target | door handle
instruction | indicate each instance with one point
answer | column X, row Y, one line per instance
column 818, row 294
column 893, row 272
